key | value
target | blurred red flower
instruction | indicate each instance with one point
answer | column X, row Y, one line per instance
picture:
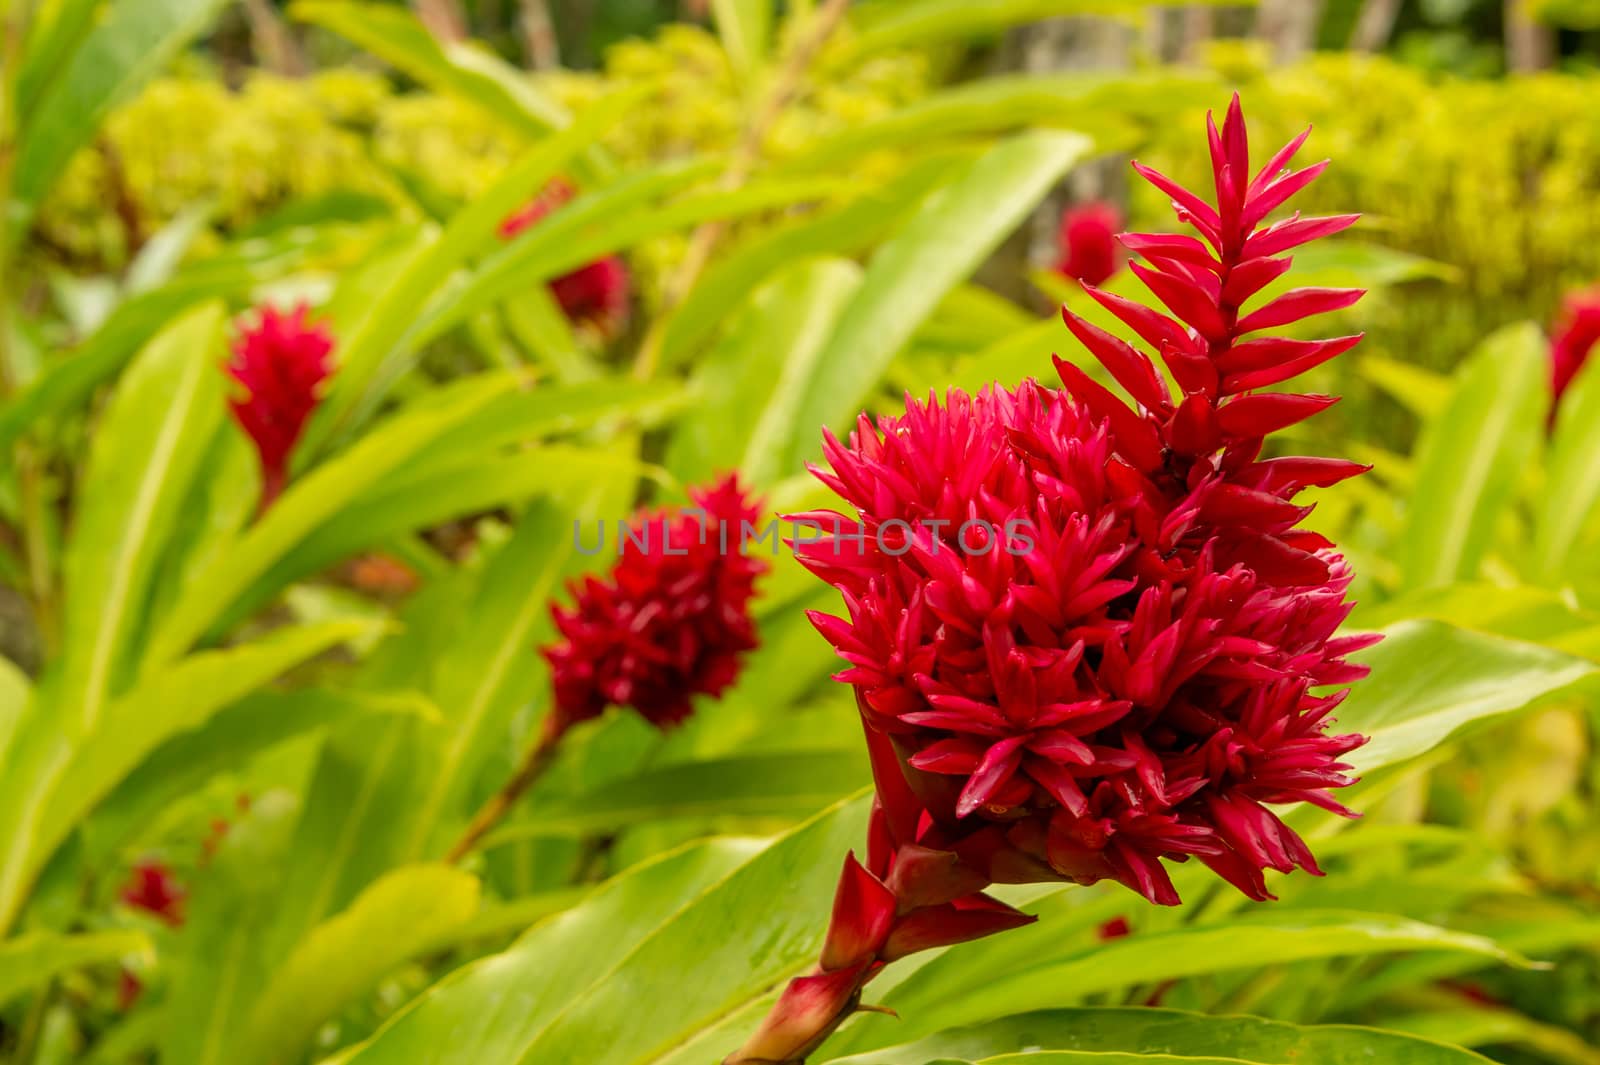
column 152, row 888
column 1086, row 243
column 596, row 293
column 282, row 361
column 670, row 621
column 1573, row 338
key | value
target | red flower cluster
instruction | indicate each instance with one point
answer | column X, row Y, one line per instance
column 1127, row 672
column 153, row 889
column 281, row 361
column 1086, row 637
column 1575, row 335
column 671, row 620
column 1086, row 243
column 596, row 293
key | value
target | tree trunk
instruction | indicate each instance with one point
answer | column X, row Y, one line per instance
column 1374, row 26
column 1289, row 27
column 1530, row 45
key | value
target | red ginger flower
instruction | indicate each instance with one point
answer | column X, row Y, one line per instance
column 281, row 360
column 154, row 889
column 1086, row 243
column 1087, row 637
column 1577, row 331
column 596, row 293
column 672, row 619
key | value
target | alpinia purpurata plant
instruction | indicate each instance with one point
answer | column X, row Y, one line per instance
column 671, row 621
column 1573, row 339
column 1119, row 650
column 282, row 360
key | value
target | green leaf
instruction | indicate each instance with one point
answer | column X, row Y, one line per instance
column 130, row 45
column 787, row 784
column 15, row 692
column 69, row 381
column 379, row 350
column 1572, row 485
column 493, row 1010
column 1248, row 1040
column 395, row 35
column 141, row 465
column 403, row 914
column 1430, row 680
column 1422, row 392
column 1477, row 1025
column 946, row 994
column 33, row 959
column 1470, row 456
column 485, row 676
column 955, row 228
column 744, row 26
column 887, row 25
column 251, row 726
column 845, row 230
column 752, row 382
column 313, row 500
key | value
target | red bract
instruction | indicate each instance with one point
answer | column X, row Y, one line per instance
column 1575, row 335
column 1093, row 633
column 596, row 293
column 1086, row 243
column 670, row 621
column 281, row 361
column 1087, row 637
column 154, row 889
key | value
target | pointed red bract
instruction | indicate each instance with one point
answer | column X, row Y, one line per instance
column 282, row 361
column 670, row 621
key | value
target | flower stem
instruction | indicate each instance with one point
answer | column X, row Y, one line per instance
column 535, row 761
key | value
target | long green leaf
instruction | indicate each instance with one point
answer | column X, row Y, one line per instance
column 752, row 382
column 312, row 501
column 375, row 356
column 492, row 1010
column 956, row 227
column 145, row 453
column 405, row 913
column 130, row 45
column 1156, row 1031
column 1470, row 457
column 1430, row 680
column 931, row 999
column 757, row 786
column 744, row 26
column 889, row 24
column 31, row 960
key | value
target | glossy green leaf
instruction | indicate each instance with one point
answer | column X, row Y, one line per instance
column 937, row 996
column 1429, row 680
column 495, row 1009
column 379, row 350
column 146, row 450
column 313, row 500
column 1471, row 455
column 30, row 960
column 1249, row 1040
column 758, row 786
column 956, row 227
column 403, row 914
